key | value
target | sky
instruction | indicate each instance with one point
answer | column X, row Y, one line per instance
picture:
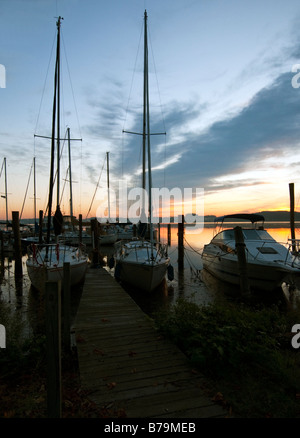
column 224, row 88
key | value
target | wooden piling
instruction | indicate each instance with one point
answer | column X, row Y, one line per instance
column 53, row 348
column 169, row 234
column 67, row 307
column 242, row 262
column 40, row 226
column 181, row 244
column 17, row 245
column 2, row 253
column 80, row 229
column 95, row 237
column 292, row 215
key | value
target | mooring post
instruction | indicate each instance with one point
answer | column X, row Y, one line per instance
column 292, row 215
column 2, row 253
column 40, row 226
column 17, row 245
column 80, row 229
column 53, row 348
column 66, row 308
column 95, row 234
column 169, row 234
column 242, row 261
column 181, row 244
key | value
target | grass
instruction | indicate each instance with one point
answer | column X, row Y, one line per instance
column 23, row 377
column 246, row 353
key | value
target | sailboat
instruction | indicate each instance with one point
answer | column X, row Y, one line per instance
column 70, row 234
column 142, row 263
column 108, row 234
column 46, row 262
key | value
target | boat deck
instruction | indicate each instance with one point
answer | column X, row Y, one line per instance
column 129, row 369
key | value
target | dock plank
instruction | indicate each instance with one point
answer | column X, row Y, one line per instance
column 126, row 365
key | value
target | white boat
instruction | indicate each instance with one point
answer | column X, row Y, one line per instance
column 46, row 262
column 108, row 239
column 124, row 232
column 268, row 262
column 72, row 238
column 141, row 263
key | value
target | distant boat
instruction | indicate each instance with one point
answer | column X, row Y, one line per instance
column 108, row 235
column 124, row 232
column 108, row 232
column 46, row 262
column 268, row 262
column 139, row 262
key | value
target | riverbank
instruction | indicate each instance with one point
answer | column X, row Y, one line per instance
column 245, row 354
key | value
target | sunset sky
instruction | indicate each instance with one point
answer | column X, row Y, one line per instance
column 223, row 86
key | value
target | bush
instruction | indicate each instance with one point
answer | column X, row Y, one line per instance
column 240, row 347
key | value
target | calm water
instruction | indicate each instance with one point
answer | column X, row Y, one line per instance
column 191, row 283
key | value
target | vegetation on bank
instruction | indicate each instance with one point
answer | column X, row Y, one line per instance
column 23, row 379
column 245, row 352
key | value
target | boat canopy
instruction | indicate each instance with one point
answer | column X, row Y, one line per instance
column 250, row 217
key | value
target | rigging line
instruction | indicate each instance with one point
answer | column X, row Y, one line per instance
column 156, row 77
column 197, row 252
column 2, row 168
column 26, row 191
column 134, row 70
column 72, row 89
column 160, row 102
column 96, row 188
column 44, row 88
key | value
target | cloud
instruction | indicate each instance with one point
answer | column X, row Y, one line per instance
column 267, row 126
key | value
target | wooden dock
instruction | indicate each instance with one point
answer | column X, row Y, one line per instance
column 129, row 369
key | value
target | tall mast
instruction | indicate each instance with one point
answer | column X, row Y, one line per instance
column 108, row 197
column 146, row 94
column 58, row 108
column 56, row 77
column 145, row 103
column 5, row 175
column 34, row 195
column 70, row 176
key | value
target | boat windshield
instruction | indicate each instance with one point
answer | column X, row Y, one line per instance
column 250, row 234
column 257, row 235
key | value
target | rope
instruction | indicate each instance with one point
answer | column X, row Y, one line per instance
column 96, row 188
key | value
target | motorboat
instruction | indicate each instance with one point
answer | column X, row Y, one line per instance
column 268, row 262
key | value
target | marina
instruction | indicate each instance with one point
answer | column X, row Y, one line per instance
column 122, row 148
column 127, row 368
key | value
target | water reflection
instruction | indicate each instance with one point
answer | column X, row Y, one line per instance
column 192, row 282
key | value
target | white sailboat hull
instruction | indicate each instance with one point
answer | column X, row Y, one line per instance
column 108, row 239
column 40, row 270
column 142, row 276
column 140, row 264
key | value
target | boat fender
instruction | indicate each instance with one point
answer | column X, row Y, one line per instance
column 118, row 271
column 170, row 273
column 111, row 263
